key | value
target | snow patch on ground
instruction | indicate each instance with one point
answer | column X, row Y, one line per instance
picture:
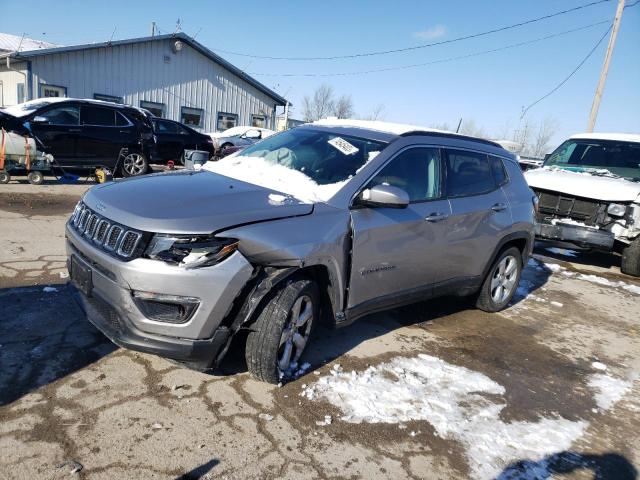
column 605, row 282
column 49, row 289
column 608, row 390
column 258, row 171
column 451, row 398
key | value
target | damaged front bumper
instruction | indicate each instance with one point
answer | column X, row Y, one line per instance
column 109, row 292
column 576, row 234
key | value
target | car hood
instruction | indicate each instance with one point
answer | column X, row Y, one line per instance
column 193, row 202
column 11, row 123
column 582, row 184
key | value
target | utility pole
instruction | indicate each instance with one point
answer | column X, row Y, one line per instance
column 605, row 67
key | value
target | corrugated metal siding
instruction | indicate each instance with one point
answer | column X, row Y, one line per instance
column 10, row 80
column 138, row 72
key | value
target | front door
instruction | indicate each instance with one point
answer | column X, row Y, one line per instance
column 400, row 253
column 58, row 128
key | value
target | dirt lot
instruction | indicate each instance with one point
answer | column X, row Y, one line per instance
column 546, row 389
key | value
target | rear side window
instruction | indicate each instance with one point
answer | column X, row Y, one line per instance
column 166, row 127
column 63, row 115
column 121, row 120
column 468, row 173
column 416, row 171
column 499, row 173
column 99, row 116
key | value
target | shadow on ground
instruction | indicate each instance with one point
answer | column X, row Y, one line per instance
column 608, row 466
column 44, row 336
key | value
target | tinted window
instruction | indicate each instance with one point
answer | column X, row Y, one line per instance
column 64, row 115
column 98, row 116
column 497, row 167
column 121, row 120
column 166, row 127
column 468, row 173
column 416, row 171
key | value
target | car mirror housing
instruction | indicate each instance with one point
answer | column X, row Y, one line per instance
column 383, row 196
column 39, row 119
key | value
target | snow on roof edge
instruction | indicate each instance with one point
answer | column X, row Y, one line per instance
column 621, row 137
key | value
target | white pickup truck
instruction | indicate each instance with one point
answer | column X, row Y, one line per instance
column 589, row 195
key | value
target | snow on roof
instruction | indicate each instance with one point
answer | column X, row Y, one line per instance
column 387, row 127
column 14, row 43
column 620, row 137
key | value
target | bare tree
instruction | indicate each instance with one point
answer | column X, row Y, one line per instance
column 320, row 106
column 343, row 108
column 377, row 113
column 442, row 126
column 470, row 128
column 544, row 132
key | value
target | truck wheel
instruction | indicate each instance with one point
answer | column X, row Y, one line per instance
column 5, row 177
column 282, row 331
column 631, row 259
column 501, row 282
column 35, row 178
column 134, row 164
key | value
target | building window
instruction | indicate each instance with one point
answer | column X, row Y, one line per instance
column 156, row 109
column 20, row 92
column 52, row 91
column 226, row 121
column 191, row 116
column 108, row 98
column 259, row 121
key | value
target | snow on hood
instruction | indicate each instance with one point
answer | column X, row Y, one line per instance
column 583, row 184
column 258, row 171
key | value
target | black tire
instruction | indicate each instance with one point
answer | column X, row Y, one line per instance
column 490, row 298
column 35, row 178
column 631, row 259
column 134, row 164
column 264, row 346
column 5, row 177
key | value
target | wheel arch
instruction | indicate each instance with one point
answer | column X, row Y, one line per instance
column 521, row 240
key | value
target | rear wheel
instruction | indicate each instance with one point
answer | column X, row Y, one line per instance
column 282, row 331
column 501, row 282
column 5, row 177
column 35, row 178
column 631, row 259
column 134, row 164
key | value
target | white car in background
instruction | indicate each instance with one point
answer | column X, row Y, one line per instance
column 239, row 137
column 589, row 195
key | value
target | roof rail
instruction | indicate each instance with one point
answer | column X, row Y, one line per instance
column 451, row 135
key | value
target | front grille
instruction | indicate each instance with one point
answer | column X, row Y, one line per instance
column 111, row 237
column 559, row 205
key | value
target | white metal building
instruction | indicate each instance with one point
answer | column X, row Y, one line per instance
column 173, row 76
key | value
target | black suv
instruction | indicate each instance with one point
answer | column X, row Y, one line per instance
column 89, row 133
column 173, row 138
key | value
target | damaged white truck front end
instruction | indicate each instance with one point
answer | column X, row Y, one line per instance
column 589, row 195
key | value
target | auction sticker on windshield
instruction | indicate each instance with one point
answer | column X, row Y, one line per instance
column 342, row 145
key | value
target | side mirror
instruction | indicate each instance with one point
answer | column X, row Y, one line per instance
column 383, row 196
column 39, row 119
column 253, row 134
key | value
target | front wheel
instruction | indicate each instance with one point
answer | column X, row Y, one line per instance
column 134, row 164
column 501, row 282
column 282, row 331
column 631, row 259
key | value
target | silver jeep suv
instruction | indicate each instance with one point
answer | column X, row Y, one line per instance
column 329, row 221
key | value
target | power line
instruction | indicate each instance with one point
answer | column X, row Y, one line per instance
column 433, row 62
column 575, row 70
column 417, row 47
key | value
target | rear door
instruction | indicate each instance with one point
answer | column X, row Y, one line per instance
column 398, row 252
column 104, row 132
column 480, row 213
column 58, row 128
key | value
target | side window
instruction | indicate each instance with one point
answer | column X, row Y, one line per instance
column 63, row 115
column 499, row 173
column 103, row 117
column 468, row 173
column 226, row 121
column 192, row 116
column 121, row 120
column 416, row 171
column 166, row 127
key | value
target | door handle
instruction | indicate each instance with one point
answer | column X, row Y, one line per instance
column 436, row 217
column 498, row 207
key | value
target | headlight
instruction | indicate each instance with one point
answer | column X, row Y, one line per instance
column 190, row 251
column 616, row 209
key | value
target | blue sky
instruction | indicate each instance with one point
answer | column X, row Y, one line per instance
column 489, row 89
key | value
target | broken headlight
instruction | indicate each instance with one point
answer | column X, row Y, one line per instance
column 616, row 209
column 190, row 251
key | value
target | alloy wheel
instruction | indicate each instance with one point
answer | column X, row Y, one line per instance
column 296, row 333
column 503, row 280
column 134, row 164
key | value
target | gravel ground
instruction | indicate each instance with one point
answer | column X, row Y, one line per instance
column 558, row 394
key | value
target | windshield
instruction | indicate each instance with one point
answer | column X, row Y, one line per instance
column 599, row 157
column 324, row 157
